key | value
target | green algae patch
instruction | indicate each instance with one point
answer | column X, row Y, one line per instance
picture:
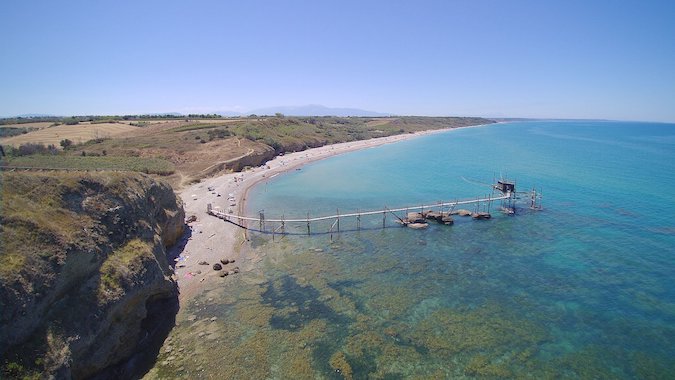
column 480, row 365
column 453, row 331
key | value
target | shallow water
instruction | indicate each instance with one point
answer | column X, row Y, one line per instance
column 580, row 289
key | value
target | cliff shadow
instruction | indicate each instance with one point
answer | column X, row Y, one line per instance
column 157, row 325
column 173, row 253
column 155, row 328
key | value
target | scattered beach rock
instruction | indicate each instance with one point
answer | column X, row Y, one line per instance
column 223, row 274
column 225, row 261
column 217, row 266
column 236, row 270
column 231, row 261
column 191, row 218
column 230, row 273
column 203, row 263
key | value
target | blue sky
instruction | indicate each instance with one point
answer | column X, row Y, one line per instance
column 562, row 59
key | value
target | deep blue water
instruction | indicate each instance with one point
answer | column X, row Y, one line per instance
column 583, row 288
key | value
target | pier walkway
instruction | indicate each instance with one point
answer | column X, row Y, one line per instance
column 411, row 219
column 503, row 190
column 441, row 205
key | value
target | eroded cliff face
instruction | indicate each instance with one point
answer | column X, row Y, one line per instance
column 84, row 256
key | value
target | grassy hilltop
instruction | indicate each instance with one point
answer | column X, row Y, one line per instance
column 186, row 150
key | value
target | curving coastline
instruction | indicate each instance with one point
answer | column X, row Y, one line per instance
column 212, row 239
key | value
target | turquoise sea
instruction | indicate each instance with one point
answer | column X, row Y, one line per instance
column 582, row 289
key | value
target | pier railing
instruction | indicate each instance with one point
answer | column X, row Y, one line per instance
column 240, row 220
column 361, row 213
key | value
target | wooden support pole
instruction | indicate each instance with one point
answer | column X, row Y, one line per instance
column 358, row 222
column 332, row 228
column 384, row 217
column 308, row 230
column 338, row 220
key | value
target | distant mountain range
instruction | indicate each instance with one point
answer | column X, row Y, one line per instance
column 28, row 115
column 307, row 110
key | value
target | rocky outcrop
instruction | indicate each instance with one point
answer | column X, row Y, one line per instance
column 85, row 260
column 259, row 156
column 464, row 212
column 440, row 217
column 415, row 217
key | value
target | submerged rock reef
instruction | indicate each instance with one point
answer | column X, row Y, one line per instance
column 85, row 280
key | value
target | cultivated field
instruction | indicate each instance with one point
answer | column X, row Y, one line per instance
column 38, row 125
column 78, row 133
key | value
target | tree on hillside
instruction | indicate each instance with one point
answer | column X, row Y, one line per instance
column 66, row 143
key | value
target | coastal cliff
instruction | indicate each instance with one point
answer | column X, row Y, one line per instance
column 83, row 262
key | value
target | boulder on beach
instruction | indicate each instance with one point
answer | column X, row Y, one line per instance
column 225, row 261
column 217, row 266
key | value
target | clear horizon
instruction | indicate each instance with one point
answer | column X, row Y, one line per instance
column 523, row 59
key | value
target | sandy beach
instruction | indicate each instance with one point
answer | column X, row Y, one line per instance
column 213, row 239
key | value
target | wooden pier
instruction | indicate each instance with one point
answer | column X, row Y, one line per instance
column 278, row 225
column 337, row 216
column 506, row 193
